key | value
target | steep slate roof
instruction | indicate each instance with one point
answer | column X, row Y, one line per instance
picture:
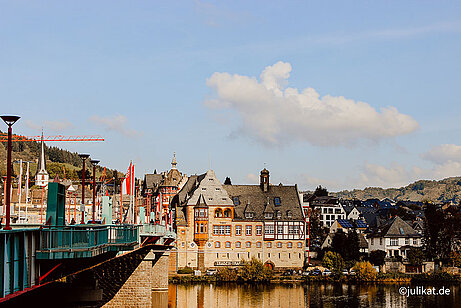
column 363, row 243
column 153, row 180
column 396, row 227
column 258, row 200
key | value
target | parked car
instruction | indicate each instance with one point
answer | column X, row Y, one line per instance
column 306, row 273
column 211, row 272
column 345, row 272
column 326, row 272
column 316, row 272
column 287, row 273
column 352, row 272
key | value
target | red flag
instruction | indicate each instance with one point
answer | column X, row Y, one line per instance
column 127, row 182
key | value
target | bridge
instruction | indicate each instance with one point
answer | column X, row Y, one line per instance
column 77, row 265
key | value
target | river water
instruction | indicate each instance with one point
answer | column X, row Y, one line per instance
column 296, row 295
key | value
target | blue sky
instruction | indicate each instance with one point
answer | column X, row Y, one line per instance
column 352, row 95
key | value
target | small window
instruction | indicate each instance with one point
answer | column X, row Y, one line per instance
column 401, row 231
column 228, row 244
column 249, row 215
column 289, row 215
column 269, row 245
column 259, row 230
column 227, row 213
column 279, row 244
column 203, row 188
column 217, row 244
column 238, row 244
column 238, row 230
column 218, row 213
column 277, row 201
column 210, row 199
column 268, row 215
column 248, row 244
column 300, row 244
column 248, row 230
column 217, row 188
column 289, row 245
column 258, row 245
column 236, row 200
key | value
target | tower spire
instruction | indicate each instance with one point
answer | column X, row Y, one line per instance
column 173, row 162
column 41, row 177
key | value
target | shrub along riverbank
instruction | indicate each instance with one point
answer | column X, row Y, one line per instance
column 254, row 271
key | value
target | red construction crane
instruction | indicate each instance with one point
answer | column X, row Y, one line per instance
column 4, row 138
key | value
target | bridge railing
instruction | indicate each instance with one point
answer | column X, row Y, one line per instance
column 81, row 237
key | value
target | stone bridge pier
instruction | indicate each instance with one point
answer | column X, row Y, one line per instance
column 148, row 284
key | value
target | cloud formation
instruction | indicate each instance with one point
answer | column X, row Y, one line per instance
column 443, row 153
column 56, row 126
column 116, row 123
column 446, row 159
column 274, row 114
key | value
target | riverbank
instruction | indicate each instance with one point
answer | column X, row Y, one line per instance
column 396, row 278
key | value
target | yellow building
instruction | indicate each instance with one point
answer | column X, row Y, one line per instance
column 219, row 225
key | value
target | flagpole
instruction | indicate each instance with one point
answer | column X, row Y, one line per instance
column 27, row 189
column 20, row 190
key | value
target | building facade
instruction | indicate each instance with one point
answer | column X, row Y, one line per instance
column 221, row 225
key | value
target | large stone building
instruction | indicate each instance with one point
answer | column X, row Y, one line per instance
column 219, row 225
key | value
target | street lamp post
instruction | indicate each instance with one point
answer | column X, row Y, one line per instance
column 9, row 120
column 94, row 162
column 84, row 157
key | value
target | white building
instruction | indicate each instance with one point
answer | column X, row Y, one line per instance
column 395, row 238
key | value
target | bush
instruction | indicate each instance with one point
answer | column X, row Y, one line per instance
column 254, row 271
column 186, row 270
column 333, row 261
column 226, row 274
column 377, row 257
column 364, row 271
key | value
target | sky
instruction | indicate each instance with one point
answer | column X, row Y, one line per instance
column 343, row 94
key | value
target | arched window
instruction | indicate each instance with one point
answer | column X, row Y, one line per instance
column 289, row 245
column 227, row 213
column 248, row 244
column 289, row 215
column 217, row 244
column 238, row 244
column 258, row 245
column 218, row 213
column 228, row 244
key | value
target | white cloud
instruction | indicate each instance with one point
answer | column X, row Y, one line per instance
column 274, row 114
column 50, row 125
column 116, row 123
column 252, row 178
column 443, row 153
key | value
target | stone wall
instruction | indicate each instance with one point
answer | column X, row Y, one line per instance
column 144, row 285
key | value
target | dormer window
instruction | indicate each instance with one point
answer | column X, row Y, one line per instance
column 249, row 215
column 277, row 201
column 268, row 215
column 278, row 214
column 289, row 215
column 203, row 188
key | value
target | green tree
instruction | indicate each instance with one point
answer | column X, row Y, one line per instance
column 377, row 257
column 255, row 271
column 333, row 261
column 364, row 271
column 353, row 250
column 339, row 243
column 321, row 191
column 416, row 256
column 455, row 258
column 226, row 274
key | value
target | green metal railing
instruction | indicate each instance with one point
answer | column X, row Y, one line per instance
column 85, row 238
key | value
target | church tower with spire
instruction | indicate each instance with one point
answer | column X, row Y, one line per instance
column 41, row 177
